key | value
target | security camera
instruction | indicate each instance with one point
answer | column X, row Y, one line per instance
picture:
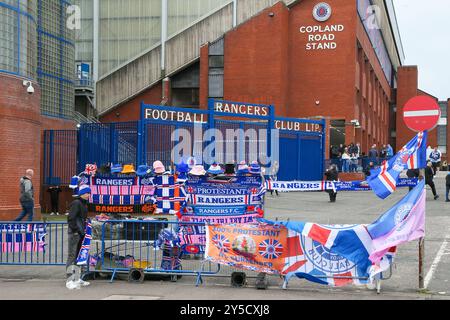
column 355, row 122
column 30, row 89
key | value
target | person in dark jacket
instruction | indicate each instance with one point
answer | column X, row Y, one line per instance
column 412, row 173
column 429, row 175
column 367, row 169
column 76, row 227
column 54, row 199
column 332, row 175
column 26, row 196
column 447, row 187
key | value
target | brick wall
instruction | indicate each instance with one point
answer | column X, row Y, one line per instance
column 131, row 110
column 20, row 123
column 407, row 84
column 256, row 55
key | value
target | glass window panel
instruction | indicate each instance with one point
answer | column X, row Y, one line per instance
column 127, row 28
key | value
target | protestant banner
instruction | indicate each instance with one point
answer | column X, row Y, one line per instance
column 255, row 247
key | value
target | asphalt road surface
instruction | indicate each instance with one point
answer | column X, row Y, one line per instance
column 45, row 282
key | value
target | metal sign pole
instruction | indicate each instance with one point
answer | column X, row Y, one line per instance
column 421, row 248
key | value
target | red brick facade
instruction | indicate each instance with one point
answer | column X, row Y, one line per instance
column 20, row 142
column 130, row 111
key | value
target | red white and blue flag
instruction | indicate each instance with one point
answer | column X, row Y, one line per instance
column 384, row 180
column 270, row 249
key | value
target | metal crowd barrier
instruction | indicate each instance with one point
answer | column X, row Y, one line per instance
column 33, row 243
column 130, row 247
column 119, row 247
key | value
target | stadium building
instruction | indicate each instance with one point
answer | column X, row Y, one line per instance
column 341, row 61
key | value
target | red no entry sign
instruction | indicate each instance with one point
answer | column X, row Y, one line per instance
column 421, row 113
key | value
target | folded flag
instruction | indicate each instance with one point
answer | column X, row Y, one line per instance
column 402, row 223
column 384, row 180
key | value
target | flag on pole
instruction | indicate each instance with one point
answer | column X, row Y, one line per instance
column 384, row 180
column 402, row 223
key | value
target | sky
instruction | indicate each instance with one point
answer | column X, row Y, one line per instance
column 425, row 31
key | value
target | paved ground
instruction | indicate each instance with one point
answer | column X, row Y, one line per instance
column 351, row 207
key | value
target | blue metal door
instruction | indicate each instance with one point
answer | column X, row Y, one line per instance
column 310, row 157
column 300, row 157
column 289, row 157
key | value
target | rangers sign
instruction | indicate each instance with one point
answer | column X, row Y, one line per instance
column 322, row 12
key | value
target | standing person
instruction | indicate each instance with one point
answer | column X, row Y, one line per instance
column 76, row 228
column 429, row 150
column 383, row 152
column 332, row 175
column 358, row 149
column 447, row 187
column 54, row 199
column 367, row 169
column 390, row 151
column 435, row 158
column 412, row 173
column 373, row 153
column 273, row 175
column 26, row 196
column 429, row 175
column 353, row 162
column 345, row 161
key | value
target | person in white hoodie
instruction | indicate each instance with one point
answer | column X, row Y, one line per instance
column 345, row 161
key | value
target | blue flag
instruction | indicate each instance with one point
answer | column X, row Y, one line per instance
column 391, row 218
column 384, row 180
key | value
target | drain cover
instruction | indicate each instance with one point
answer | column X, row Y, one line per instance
column 126, row 297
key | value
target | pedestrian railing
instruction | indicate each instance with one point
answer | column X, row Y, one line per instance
column 33, row 243
column 131, row 247
column 137, row 247
column 354, row 165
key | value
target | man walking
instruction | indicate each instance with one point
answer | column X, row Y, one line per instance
column 76, row 226
column 26, row 196
column 435, row 158
column 429, row 175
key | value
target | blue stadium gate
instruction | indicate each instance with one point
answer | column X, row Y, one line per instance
column 226, row 131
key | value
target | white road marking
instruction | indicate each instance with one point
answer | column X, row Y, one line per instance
column 436, row 261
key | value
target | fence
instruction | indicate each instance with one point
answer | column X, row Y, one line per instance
column 356, row 165
column 128, row 245
column 131, row 247
column 301, row 143
column 33, row 243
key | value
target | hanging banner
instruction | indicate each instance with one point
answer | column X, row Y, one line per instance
column 121, row 209
column 215, row 201
column 312, row 186
column 26, row 237
column 236, row 191
column 299, row 186
column 255, row 247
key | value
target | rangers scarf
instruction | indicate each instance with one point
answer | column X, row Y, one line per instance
column 83, row 255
